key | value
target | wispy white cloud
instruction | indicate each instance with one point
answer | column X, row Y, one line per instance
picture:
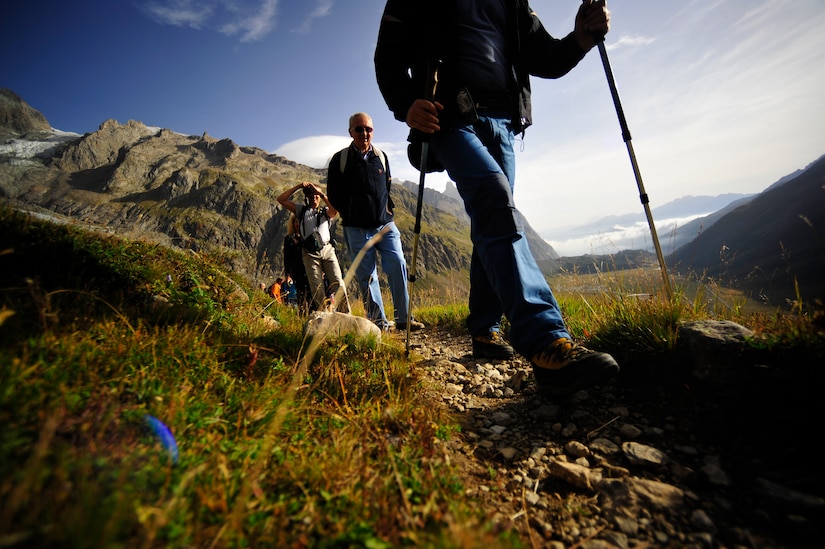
column 179, row 13
column 322, row 9
column 250, row 20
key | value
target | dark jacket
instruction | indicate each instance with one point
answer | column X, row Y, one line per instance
column 414, row 33
column 361, row 194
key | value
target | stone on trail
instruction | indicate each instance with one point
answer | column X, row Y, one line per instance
column 338, row 324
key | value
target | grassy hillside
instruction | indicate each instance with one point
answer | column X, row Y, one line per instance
column 269, row 444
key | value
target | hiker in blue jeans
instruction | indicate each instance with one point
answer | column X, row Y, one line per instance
column 486, row 51
column 392, row 263
column 358, row 183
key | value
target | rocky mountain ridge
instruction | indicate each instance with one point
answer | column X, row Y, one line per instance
column 195, row 192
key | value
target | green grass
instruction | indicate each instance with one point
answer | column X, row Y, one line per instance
column 281, row 442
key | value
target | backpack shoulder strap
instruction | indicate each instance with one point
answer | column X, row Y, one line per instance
column 381, row 155
column 342, row 161
column 301, row 228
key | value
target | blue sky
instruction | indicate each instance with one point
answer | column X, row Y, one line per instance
column 720, row 96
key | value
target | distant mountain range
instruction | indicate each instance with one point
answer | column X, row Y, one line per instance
column 677, row 223
column 771, row 244
column 213, row 196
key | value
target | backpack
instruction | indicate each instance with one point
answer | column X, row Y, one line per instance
column 344, row 154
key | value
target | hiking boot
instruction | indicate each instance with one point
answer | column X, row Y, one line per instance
column 491, row 345
column 564, row 367
column 414, row 326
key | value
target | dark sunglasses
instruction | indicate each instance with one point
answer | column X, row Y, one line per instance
column 359, row 129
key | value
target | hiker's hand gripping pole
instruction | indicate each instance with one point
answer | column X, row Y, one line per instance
column 432, row 84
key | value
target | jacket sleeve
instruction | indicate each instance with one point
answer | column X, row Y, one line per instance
column 396, row 57
column 543, row 55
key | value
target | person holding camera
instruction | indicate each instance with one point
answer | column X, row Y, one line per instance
column 318, row 252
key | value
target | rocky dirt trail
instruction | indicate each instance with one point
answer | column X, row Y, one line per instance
column 644, row 461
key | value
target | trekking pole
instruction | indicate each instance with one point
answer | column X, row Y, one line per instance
column 429, row 92
column 626, row 136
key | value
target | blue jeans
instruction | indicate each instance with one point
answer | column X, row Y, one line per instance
column 504, row 276
column 366, row 273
